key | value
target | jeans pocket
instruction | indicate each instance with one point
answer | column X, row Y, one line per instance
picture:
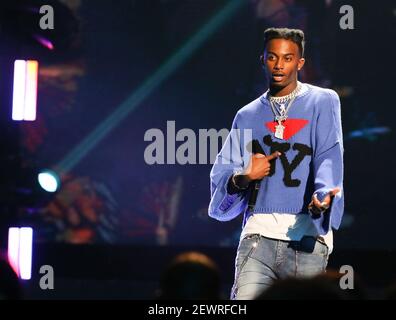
column 246, row 248
column 321, row 248
column 310, row 245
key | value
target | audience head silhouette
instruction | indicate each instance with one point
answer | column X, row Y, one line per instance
column 190, row 276
column 317, row 288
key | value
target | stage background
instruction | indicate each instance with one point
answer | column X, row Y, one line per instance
column 113, row 207
column 111, row 195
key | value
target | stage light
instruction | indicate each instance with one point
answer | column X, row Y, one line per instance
column 24, row 100
column 20, row 242
column 44, row 42
column 13, row 249
column 34, row 188
column 49, row 180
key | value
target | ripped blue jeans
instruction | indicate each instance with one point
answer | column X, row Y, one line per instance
column 261, row 260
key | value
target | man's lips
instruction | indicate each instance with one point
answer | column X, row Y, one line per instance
column 278, row 76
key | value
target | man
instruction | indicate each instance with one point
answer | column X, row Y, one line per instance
column 282, row 166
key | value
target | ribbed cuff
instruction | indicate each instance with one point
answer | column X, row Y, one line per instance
column 237, row 183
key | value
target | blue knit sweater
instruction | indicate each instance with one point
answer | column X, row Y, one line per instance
column 311, row 161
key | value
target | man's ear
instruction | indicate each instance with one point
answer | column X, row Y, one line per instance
column 301, row 63
column 262, row 62
column 262, row 59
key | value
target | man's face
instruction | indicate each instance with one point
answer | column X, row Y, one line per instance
column 282, row 61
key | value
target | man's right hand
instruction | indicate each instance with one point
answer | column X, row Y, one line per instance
column 260, row 166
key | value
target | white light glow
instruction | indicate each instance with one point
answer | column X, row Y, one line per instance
column 31, row 91
column 48, row 181
column 13, row 249
column 18, row 99
column 20, row 243
column 25, row 253
column 24, row 102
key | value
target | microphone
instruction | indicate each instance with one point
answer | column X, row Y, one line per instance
column 256, row 148
column 253, row 195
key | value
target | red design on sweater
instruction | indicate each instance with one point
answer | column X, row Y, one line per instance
column 292, row 126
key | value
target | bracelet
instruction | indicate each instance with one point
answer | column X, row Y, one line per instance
column 236, row 185
column 315, row 211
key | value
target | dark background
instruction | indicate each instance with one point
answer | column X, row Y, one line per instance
column 105, row 51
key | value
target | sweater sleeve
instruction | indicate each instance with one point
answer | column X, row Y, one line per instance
column 328, row 162
column 224, row 206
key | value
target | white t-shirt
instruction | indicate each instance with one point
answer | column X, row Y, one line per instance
column 284, row 226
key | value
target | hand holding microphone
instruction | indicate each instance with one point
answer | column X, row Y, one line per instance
column 259, row 165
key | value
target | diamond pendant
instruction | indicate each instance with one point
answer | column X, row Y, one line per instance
column 282, row 109
column 279, row 130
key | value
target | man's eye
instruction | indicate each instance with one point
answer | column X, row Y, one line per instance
column 271, row 58
column 288, row 59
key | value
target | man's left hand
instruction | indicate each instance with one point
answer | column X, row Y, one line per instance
column 317, row 207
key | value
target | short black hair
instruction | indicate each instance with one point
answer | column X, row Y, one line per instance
column 295, row 35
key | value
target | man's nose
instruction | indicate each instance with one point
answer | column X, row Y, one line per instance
column 278, row 64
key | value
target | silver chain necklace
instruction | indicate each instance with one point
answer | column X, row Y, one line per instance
column 284, row 99
column 281, row 115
